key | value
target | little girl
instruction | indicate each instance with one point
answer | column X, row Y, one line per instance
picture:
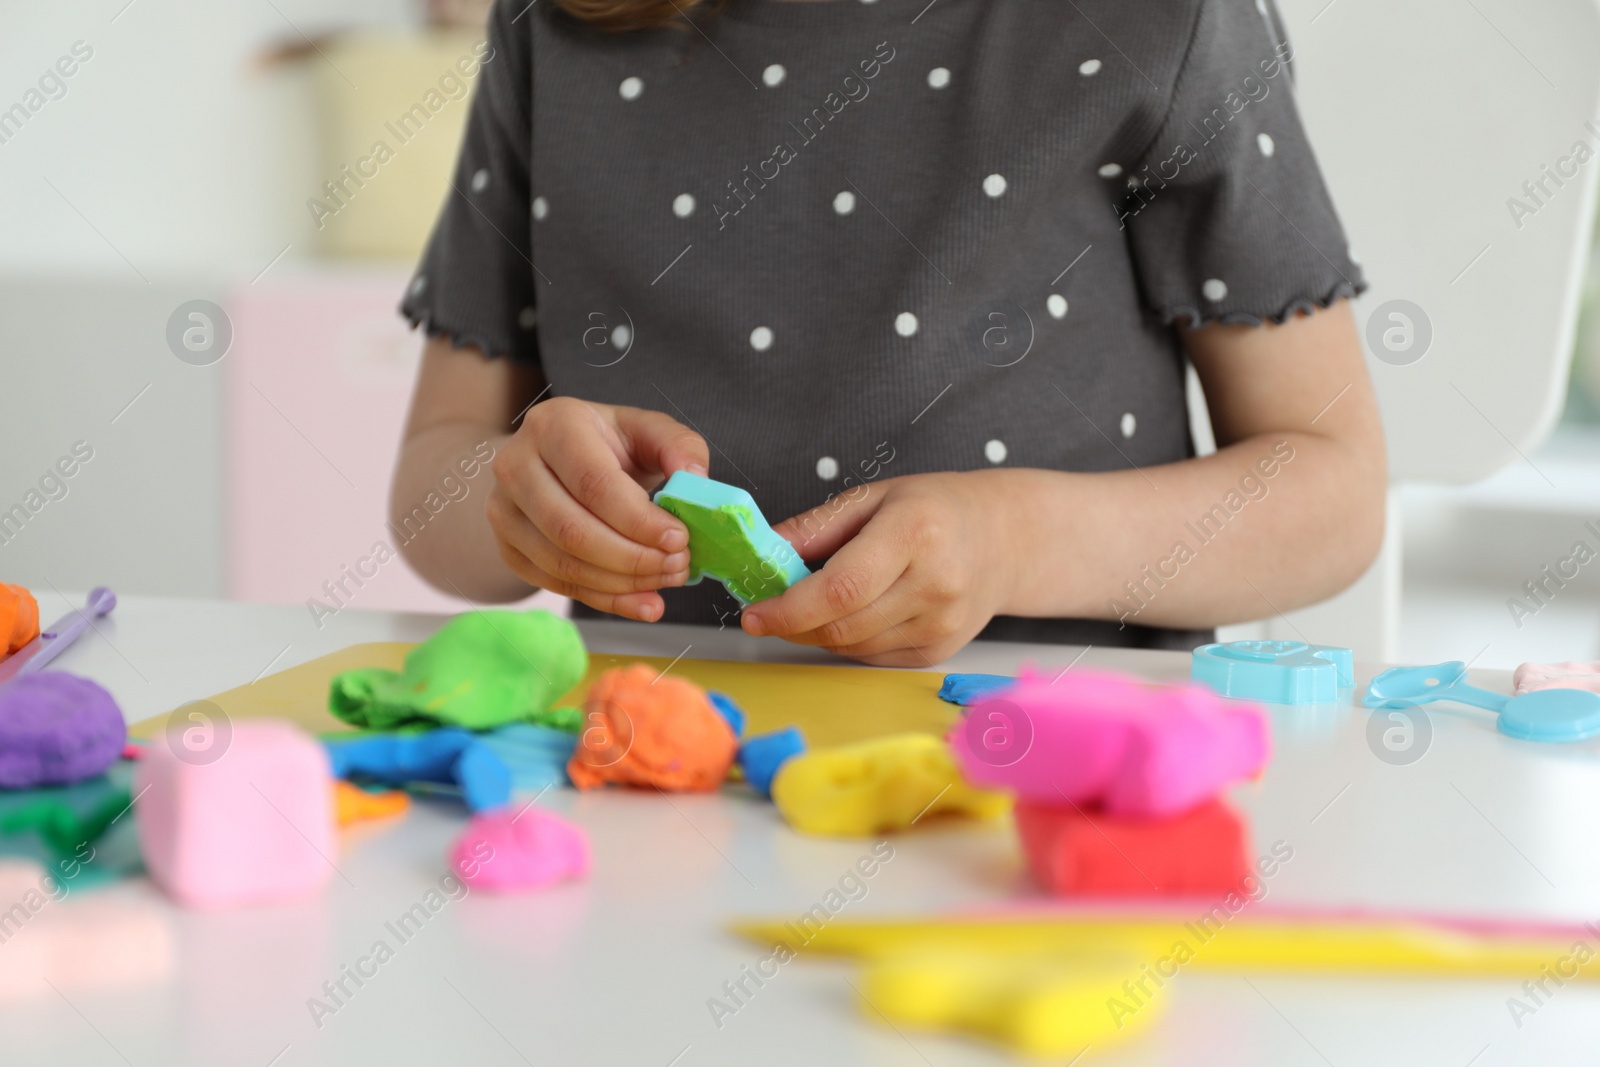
column 923, row 276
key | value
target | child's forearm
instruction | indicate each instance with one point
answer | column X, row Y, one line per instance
column 436, row 512
column 1272, row 522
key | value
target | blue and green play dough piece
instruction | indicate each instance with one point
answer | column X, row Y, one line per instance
column 729, row 539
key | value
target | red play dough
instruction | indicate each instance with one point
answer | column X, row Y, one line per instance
column 644, row 728
column 1076, row 851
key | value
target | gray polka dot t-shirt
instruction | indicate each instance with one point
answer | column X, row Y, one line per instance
column 848, row 241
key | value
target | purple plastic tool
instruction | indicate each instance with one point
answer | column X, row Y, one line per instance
column 53, row 641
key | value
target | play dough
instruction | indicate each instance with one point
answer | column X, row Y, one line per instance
column 1092, row 737
column 1532, row 677
column 761, row 757
column 877, row 786
column 650, row 729
column 515, row 849
column 1072, row 851
column 446, row 755
column 352, row 804
column 731, row 713
column 19, row 618
column 56, row 728
column 1040, row 1005
column 482, row 669
column 253, row 827
column 729, row 539
column 59, row 824
column 535, row 755
column 967, row 689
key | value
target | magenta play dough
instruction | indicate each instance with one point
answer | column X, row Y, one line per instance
column 56, row 729
column 253, row 826
column 513, row 849
column 1097, row 738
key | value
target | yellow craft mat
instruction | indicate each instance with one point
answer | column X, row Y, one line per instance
column 831, row 705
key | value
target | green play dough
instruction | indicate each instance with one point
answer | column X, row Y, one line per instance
column 60, row 825
column 481, row 670
column 720, row 545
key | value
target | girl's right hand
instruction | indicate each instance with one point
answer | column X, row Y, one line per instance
column 571, row 508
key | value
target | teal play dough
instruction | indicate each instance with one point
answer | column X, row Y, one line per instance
column 729, row 539
column 481, row 670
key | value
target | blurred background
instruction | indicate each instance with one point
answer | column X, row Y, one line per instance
column 198, row 301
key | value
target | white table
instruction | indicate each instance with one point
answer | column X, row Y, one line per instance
column 619, row 970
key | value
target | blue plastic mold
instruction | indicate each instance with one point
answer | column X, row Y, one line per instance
column 1543, row 715
column 1277, row 672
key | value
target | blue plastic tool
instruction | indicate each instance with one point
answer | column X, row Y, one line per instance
column 968, row 689
column 729, row 539
column 732, row 713
column 762, row 755
column 1543, row 715
column 1276, row 672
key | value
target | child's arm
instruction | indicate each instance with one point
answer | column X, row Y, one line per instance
column 920, row 564
column 567, row 508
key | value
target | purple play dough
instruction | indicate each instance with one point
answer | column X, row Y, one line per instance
column 55, row 729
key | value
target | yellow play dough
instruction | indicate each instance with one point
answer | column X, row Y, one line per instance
column 875, row 786
column 1038, row 1006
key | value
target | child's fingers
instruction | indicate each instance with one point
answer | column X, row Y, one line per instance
column 513, row 527
column 822, row 531
column 879, row 620
column 659, row 442
column 856, row 576
column 579, row 532
column 592, row 474
column 583, row 574
column 646, row 607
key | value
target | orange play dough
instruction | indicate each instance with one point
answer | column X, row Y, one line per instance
column 648, row 729
column 354, row 804
column 19, row 618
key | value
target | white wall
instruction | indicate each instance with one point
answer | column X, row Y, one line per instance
column 175, row 172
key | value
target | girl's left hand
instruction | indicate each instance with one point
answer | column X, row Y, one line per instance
column 919, row 565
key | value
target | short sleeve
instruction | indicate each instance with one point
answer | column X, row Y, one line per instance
column 1227, row 214
column 475, row 284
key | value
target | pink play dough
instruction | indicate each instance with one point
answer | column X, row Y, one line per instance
column 254, row 826
column 510, row 849
column 1111, row 741
column 1531, row 677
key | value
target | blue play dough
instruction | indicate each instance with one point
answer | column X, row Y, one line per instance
column 761, row 756
column 968, row 689
column 729, row 711
column 535, row 755
column 449, row 756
